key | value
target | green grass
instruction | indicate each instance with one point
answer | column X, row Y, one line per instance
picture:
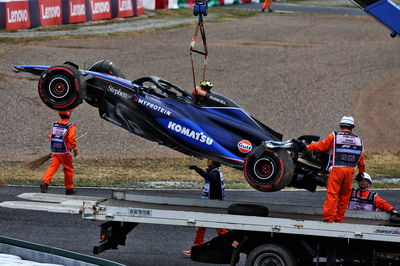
column 135, row 172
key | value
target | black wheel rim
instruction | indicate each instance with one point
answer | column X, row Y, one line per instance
column 59, row 88
column 265, row 169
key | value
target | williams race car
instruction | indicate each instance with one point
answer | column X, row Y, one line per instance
column 215, row 128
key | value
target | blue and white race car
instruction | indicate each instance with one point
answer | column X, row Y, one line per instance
column 215, row 127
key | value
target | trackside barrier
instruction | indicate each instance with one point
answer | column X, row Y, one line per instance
column 24, row 14
column 385, row 11
column 163, row 4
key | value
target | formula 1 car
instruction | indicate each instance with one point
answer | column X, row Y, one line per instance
column 160, row 111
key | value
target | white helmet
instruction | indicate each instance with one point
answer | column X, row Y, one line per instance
column 368, row 177
column 347, row 121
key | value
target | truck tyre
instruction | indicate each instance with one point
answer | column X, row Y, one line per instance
column 270, row 254
column 268, row 170
column 62, row 87
column 248, row 210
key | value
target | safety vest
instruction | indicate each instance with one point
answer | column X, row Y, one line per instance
column 347, row 149
column 213, row 186
column 57, row 141
column 364, row 204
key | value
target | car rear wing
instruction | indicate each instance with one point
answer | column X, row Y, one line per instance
column 384, row 11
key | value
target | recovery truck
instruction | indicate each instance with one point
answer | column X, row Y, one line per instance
column 272, row 234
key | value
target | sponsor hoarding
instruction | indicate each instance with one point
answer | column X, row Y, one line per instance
column 17, row 15
column 100, row 9
column 50, row 12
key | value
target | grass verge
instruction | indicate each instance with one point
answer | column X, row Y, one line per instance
column 169, row 172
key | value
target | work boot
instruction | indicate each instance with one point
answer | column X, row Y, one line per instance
column 70, row 191
column 44, row 187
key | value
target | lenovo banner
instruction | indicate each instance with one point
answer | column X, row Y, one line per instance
column 76, row 11
column 100, row 9
column 16, row 15
column 125, row 8
column 50, row 12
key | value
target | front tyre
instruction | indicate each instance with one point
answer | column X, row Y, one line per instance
column 270, row 254
column 62, row 87
column 268, row 170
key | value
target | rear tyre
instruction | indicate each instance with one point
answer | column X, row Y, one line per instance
column 268, row 170
column 270, row 254
column 62, row 87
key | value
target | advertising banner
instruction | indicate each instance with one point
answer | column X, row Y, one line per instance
column 100, row 9
column 16, row 15
column 50, row 12
column 76, row 11
column 125, row 8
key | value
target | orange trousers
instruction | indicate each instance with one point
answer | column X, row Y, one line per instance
column 267, row 3
column 66, row 161
column 338, row 193
column 200, row 233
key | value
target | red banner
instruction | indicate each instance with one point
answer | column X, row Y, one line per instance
column 100, row 9
column 77, row 11
column 125, row 8
column 140, row 7
column 50, row 12
column 17, row 15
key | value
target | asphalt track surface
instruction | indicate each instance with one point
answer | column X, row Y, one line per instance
column 146, row 245
column 294, row 8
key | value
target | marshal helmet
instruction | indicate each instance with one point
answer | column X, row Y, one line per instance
column 347, row 121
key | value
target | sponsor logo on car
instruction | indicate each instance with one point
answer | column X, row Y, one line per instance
column 152, row 106
column 109, row 119
column 244, row 146
column 117, row 92
column 215, row 99
column 199, row 136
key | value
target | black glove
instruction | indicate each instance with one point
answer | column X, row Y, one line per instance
column 359, row 177
column 394, row 212
column 299, row 145
column 192, row 167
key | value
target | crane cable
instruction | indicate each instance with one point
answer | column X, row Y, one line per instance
column 199, row 9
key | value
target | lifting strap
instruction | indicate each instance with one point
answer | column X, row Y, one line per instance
column 200, row 9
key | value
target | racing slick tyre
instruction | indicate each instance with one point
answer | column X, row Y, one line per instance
column 270, row 254
column 248, row 210
column 106, row 67
column 268, row 170
column 62, row 87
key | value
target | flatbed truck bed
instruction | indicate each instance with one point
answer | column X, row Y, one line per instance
column 283, row 235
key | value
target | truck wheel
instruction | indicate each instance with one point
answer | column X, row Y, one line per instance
column 268, row 170
column 248, row 210
column 62, row 87
column 270, row 254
